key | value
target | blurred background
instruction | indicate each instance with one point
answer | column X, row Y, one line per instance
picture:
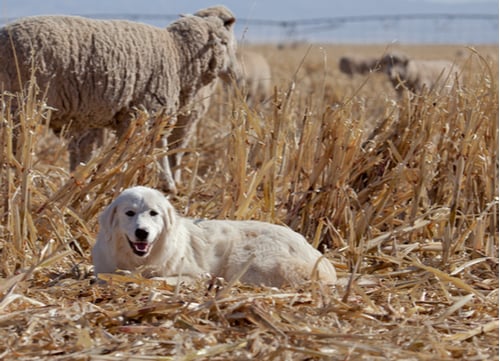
column 288, row 21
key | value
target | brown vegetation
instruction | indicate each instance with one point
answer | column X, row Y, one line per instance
column 401, row 195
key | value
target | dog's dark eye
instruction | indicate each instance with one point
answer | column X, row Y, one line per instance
column 130, row 213
column 153, row 213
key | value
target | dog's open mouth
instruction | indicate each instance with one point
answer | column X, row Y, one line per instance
column 140, row 248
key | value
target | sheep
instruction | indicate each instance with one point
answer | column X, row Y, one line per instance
column 351, row 65
column 96, row 73
column 419, row 75
column 254, row 76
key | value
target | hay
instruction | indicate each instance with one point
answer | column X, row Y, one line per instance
column 402, row 196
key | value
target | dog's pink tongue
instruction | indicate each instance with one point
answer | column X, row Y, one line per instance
column 141, row 246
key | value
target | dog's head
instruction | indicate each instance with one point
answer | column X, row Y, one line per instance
column 139, row 217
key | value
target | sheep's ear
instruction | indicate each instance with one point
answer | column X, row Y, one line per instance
column 228, row 23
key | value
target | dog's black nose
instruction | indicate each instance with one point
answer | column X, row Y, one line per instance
column 141, row 234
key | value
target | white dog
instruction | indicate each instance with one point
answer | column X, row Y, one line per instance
column 141, row 228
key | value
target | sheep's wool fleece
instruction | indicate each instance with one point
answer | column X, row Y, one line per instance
column 96, row 71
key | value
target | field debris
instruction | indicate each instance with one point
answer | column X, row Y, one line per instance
column 401, row 195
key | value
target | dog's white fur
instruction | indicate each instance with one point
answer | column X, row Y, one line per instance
column 141, row 228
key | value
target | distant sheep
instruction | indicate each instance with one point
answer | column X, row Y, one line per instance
column 417, row 75
column 255, row 76
column 351, row 65
column 97, row 72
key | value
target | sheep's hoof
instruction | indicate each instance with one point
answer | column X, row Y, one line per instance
column 168, row 187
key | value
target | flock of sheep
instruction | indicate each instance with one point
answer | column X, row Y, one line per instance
column 403, row 72
column 97, row 73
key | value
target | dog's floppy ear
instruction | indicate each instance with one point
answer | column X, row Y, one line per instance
column 168, row 213
column 106, row 222
column 102, row 252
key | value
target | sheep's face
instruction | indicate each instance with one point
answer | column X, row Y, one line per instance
column 221, row 21
column 397, row 71
column 231, row 68
column 395, row 67
column 345, row 66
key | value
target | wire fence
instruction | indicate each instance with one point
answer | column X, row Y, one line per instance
column 404, row 28
column 409, row 28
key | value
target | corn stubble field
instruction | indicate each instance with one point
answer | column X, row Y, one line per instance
column 400, row 194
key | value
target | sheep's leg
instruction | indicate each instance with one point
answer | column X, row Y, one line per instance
column 167, row 177
column 178, row 139
column 122, row 122
column 185, row 128
column 177, row 173
column 81, row 146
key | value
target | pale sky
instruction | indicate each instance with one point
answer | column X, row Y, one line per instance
column 403, row 30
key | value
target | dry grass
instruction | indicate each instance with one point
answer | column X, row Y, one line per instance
column 401, row 195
